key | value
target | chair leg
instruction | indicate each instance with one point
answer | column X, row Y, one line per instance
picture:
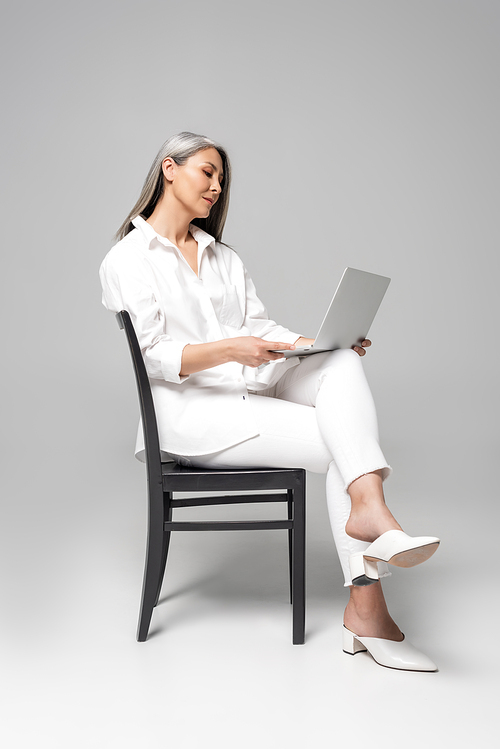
column 298, row 566
column 167, row 514
column 152, row 571
column 164, row 553
column 154, row 568
column 290, row 542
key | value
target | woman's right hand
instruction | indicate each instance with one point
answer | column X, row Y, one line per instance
column 246, row 350
column 252, row 352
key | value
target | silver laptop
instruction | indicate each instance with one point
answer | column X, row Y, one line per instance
column 350, row 314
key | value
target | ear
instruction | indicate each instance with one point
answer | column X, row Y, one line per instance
column 169, row 168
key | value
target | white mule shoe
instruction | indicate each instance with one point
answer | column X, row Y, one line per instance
column 388, row 653
column 393, row 547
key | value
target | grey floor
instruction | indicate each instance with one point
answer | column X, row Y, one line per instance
column 219, row 666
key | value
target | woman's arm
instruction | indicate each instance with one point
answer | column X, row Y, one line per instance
column 247, row 350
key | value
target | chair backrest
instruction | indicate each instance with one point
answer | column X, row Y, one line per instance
column 148, row 415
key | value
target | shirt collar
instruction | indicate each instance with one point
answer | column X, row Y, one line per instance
column 149, row 234
column 201, row 236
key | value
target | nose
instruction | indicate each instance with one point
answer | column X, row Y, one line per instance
column 216, row 186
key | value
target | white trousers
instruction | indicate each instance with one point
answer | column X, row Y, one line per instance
column 319, row 416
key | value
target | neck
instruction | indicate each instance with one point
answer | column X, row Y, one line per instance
column 170, row 222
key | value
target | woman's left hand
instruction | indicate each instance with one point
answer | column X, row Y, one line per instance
column 361, row 349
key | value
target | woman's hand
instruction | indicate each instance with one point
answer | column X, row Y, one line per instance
column 361, row 349
column 246, row 350
column 252, row 352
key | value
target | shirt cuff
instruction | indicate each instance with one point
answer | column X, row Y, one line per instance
column 172, row 362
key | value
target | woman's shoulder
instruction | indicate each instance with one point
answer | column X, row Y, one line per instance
column 128, row 252
column 131, row 246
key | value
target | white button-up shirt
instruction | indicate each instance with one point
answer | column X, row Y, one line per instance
column 170, row 307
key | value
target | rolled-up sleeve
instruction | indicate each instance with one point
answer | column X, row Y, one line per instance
column 127, row 284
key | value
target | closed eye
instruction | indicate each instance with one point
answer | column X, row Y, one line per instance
column 210, row 174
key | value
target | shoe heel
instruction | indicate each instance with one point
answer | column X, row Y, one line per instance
column 350, row 645
column 363, row 571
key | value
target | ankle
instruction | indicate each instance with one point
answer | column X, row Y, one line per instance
column 367, row 487
column 367, row 601
column 369, row 519
column 366, row 614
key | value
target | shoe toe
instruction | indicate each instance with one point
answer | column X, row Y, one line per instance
column 400, row 655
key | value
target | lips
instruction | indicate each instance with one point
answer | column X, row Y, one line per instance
column 209, row 200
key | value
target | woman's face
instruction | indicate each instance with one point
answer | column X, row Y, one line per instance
column 196, row 185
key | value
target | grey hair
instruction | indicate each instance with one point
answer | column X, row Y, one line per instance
column 180, row 148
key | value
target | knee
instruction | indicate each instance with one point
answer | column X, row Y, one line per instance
column 343, row 357
column 346, row 354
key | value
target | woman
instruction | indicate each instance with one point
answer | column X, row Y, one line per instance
column 226, row 397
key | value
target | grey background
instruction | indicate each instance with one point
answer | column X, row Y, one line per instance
column 362, row 133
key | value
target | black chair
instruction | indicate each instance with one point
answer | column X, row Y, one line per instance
column 166, row 478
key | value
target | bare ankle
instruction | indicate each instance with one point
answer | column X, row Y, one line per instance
column 369, row 485
column 366, row 614
column 369, row 518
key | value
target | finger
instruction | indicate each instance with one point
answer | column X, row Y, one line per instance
column 360, row 351
column 366, row 343
column 274, row 346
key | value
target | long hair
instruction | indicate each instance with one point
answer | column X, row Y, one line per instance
column 179, row 148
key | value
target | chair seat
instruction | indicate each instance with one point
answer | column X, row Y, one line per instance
column 170, row 468
column 175, row 476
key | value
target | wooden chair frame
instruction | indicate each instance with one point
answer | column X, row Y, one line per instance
column 166, row 478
